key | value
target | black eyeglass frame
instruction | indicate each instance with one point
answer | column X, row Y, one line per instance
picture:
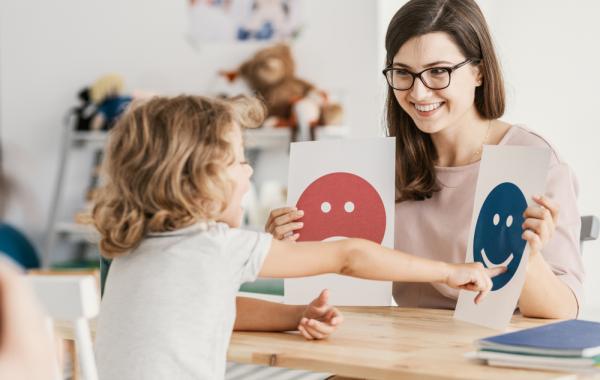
column 449, row 70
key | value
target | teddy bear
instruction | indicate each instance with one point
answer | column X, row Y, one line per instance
column 290, row 101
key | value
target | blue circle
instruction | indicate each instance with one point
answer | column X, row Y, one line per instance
column 498, row 231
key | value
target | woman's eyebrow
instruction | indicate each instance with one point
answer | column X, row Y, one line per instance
column 432, row 64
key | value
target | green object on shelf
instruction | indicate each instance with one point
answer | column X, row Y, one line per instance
column 77, row 264
column 272, row 286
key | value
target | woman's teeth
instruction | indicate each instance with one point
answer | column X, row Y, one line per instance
column 428, row 107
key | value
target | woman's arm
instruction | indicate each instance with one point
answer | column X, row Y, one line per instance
column 544, row 295
column 365, row 259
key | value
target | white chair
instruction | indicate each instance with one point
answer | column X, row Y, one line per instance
column 72, row 299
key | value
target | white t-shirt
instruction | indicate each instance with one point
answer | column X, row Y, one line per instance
column 169, row 305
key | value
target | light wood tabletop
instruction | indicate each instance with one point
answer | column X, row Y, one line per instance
column 380, row 343
column 386, row 343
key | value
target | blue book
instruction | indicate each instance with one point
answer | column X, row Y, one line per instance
column 572, row 338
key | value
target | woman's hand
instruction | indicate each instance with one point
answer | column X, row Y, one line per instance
column 282, row 223
column 540, row 223
column 474, row 277
column 319, row 319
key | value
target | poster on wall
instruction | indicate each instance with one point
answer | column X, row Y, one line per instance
column 231, row 21
column 508, row 178
column 346, row 189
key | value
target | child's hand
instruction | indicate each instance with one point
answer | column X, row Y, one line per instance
column 474, row 277
column 319, row 319
column 281, row 223
column 540, row 223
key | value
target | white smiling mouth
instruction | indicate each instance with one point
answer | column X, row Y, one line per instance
column 428, row 107
column 491, row 265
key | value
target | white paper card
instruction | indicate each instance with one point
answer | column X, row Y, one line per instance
column 508, row 177
column 346, row 189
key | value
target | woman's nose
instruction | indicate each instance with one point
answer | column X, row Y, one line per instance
column 419, row 90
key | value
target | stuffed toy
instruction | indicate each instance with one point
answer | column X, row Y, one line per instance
column 106, row 92
column 101, row 104
column 291, row 101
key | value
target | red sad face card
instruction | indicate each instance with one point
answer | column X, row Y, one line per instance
column 346, row 190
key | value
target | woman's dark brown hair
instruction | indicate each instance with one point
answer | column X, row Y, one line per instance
column 464, row 22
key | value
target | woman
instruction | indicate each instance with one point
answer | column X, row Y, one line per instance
column 445, row 98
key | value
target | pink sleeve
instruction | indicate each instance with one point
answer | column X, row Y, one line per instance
column 562, row 252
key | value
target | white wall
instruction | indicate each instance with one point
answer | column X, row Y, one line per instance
column 549, row 53
column 49, row 50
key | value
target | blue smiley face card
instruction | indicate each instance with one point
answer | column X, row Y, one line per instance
column 508, row 178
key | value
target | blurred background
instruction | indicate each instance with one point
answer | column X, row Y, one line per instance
column 50, row 51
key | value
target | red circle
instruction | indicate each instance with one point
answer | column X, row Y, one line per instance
column 366, row 219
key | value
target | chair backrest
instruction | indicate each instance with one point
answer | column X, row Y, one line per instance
column 74, row 299
column 16, row 246
column 590, row 229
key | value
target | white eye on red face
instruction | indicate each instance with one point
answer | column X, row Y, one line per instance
column 326, row 207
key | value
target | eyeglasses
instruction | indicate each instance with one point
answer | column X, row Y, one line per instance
column 435, row 78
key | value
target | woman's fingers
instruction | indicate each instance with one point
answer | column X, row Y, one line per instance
column 292, row 237
column 288, row 217
column 277, row 213
column 280, row 232
column 538, row 227
column 281, row 223
column 549, row 205
column 533, row 239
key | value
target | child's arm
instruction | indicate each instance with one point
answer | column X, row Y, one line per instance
column 317, row 320
column 365, row 259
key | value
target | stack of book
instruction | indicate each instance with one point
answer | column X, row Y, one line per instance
column 572, row 346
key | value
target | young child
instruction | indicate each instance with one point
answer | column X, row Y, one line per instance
column 169, row 215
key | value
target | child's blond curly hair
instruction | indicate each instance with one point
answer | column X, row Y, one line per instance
column 165, row 167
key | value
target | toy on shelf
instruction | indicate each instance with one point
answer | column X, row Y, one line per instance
column 291, row 101
column 101, row 104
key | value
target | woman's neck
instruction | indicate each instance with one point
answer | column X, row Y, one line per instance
column 462, row 143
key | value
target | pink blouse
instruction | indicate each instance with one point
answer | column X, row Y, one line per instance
column 438, row 228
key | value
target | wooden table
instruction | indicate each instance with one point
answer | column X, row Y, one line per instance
column 380, row 343
column 386, row 343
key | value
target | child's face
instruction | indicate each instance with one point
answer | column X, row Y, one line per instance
column 239, row 172
column 437, row 110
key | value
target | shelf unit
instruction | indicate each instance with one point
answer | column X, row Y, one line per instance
column 57, row 230
column 265, row 138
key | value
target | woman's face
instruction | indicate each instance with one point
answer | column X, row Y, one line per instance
column 436, row 110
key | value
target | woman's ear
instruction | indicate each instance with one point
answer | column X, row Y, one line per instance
column 478, row 75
